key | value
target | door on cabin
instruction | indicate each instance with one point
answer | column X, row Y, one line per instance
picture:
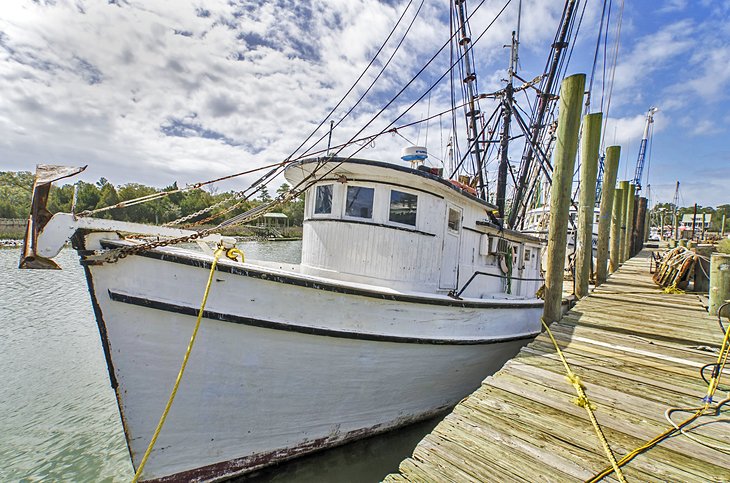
column 450, row 252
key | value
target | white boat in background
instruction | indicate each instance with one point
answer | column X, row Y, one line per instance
column 537, row 221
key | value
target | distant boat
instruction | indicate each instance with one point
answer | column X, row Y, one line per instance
column 538, row 219
column 409, row 292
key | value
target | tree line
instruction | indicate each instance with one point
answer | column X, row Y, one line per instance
column 16, row 190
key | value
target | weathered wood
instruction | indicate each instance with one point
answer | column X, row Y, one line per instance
column 637, row 351
column 629, row 222
column 702, row 269
column 719, row 281
column 590, row 142
column 640, row 225
column 571, row 97
column 608, row 189
column 617, row 227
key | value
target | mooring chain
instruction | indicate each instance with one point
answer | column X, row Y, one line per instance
column 115, row 254
column 200, row 212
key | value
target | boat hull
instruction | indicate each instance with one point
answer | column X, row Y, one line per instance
column 281, row 369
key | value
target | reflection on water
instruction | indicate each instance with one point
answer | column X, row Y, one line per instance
column 58, row 415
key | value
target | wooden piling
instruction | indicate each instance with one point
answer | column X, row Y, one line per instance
column 571, row 98
column 590, row 142
column 639, row 227
column 629, row 217
column 702, row 268
column 616, row 223
column 608, row 190
column 624, row 185
column 719, row 281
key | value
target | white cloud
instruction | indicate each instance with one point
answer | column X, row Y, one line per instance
column 671, row 6
column 155, row 91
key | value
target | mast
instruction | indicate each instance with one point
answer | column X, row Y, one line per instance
column 470, row 82
column 642, row 148
column 675, row 211
column 507, row 100
column 546, row 96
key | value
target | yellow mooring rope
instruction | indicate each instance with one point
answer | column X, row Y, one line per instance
column 216, row 256
column 699, row 411
column 583, row 401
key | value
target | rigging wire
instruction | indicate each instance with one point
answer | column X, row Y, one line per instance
column 244, row 197
column 293, row 153
column 402, row 90
column 374, row 81
column 613, row 69
column 357, row 81
column 605, row 53
column 294, row 191
column 433, row 85
column 595, row 58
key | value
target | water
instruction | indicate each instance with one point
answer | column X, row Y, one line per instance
column 58, row 414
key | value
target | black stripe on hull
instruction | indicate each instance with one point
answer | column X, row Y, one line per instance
column 322, row 285
column 267, row 324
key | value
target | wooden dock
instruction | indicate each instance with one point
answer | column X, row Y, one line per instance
column 638, row 352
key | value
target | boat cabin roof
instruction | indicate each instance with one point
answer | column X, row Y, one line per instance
column 354, row 169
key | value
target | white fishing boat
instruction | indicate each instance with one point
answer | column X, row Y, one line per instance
column 411, row 289
column 366, row 334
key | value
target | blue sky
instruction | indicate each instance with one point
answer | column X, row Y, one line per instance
column 155, row 91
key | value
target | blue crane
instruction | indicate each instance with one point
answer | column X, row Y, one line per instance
column 642, row 148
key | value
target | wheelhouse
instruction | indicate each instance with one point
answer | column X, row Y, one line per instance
column 379, row 224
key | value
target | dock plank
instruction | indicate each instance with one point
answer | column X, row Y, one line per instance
column 638, row 352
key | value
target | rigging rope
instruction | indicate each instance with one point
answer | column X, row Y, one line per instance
column 311, row 178
column 377, row 77
column 357, row 81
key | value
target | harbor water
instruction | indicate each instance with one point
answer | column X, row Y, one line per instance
column 58, row 416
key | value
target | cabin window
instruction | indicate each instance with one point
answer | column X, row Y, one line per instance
column 403, row 207
column 454, row 219
column 359, row 202
column 323, row 200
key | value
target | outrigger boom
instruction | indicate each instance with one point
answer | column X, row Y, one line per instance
column 47, row 233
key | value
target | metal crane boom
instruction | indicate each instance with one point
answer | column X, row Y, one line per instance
column 642, row 148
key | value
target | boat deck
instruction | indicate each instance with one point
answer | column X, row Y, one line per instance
column 638, row 352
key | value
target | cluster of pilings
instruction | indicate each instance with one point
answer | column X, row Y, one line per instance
column 622, row 227
column 622, row 224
